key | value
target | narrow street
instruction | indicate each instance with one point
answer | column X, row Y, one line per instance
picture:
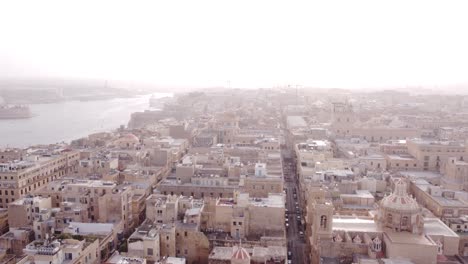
column 295, row 229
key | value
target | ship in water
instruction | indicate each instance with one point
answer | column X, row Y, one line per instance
column 15, row 112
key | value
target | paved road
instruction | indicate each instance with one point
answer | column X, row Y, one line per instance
column 296, row 243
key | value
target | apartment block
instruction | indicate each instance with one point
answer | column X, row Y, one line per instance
column 39, row 167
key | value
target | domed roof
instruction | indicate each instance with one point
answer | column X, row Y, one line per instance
column 127, row 138
column 131, row 136
column 399, row 200
column 239, row 253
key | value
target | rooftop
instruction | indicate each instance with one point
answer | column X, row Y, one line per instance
column 420, row 174
column 273, row 200
column 434, row 226
column 90, row 228
column 407, row 238
column 401, row 157
column 116, row 258
column 296, row 121
column 29, row 200
column 420, row 141
column 355, row 224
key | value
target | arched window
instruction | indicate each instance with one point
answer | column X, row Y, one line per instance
column 440, row 247
column 323, row 221
column 389, row 218
column 377, row 243
column 404, row 221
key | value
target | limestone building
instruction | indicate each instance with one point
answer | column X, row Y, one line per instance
column 397, row 230
column 39, row 167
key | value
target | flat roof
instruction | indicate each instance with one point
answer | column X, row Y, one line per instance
column 359, row 193
column 408, row 238
column 373, row 157
column 420, row 141
column 434, row 226
column 92, row 228
column 421, row 174
column 449, row 202
column 296, row 121
column 355, row 224
column 401, row 157
column 273, row 200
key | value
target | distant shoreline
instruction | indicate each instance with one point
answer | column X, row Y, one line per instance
column 68, row 120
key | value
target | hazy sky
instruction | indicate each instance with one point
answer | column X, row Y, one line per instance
column 252, row 43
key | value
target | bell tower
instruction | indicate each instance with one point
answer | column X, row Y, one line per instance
column 322, row 224
column 343, row 119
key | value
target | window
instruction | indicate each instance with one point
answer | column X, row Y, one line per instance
column 149, row 251
column 404, row 221
column 323, row 221
column 185, row 233
column 234, row 223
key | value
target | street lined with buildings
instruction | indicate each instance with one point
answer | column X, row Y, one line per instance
column 248, row 176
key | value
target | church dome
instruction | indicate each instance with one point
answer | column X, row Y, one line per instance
column 400, row 212
column 240, row 255
column 399, row 200
column 127, row 140
column 131, row 137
